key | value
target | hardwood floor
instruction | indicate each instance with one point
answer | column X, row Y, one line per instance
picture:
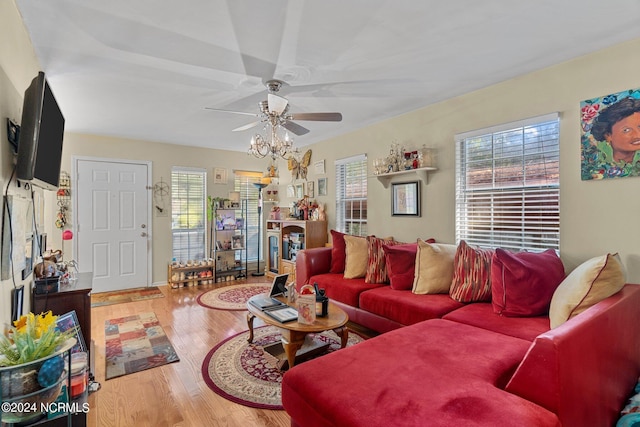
column 174, row 394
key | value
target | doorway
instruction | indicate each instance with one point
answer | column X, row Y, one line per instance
column 112, row 219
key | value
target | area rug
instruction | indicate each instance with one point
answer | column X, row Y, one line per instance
column 245, row 374
column 130, row 295
column 135, row 343
column 232, row 297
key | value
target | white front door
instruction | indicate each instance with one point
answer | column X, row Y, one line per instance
column 113, row 223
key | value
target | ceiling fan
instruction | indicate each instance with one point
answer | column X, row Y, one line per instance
column 275, row 110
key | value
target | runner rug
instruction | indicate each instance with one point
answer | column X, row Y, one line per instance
column 245, row 374
column 130, row 295
column 232, row 297
column 135, row 343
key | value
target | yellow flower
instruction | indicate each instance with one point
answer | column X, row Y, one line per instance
column 21, row 323
column 46, row 321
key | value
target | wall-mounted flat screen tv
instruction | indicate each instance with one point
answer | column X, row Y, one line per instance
column 41, row 135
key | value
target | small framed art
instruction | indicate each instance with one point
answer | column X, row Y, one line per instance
column 310, row 189
column 322, row 186
column 405, row 198
column 219, row 176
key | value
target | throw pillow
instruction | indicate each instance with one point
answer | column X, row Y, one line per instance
column 357, row 253
column 523, row 283
column 434, row 268
column 472, row 274
column 401, row 264
column 376, row 263
column 590, row 283
column 338, row 252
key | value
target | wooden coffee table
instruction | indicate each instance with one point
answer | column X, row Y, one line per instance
column 294, row 333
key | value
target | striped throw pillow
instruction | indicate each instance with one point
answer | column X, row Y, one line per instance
column 471, row 274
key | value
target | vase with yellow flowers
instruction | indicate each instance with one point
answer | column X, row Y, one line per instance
column 32, row 363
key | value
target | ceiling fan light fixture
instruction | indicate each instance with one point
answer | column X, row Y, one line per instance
column 274, row 145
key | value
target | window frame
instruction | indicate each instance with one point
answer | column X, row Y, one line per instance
column 351, row 225
column 192, row 251
column 491, row 215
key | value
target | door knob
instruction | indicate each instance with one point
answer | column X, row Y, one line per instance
column 144, row 226
column 143, row 234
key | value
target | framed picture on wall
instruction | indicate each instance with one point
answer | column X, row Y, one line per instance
column 322, row 186
column 310, row 189
column 299, row 191
column 405, row 198
column 219, row 176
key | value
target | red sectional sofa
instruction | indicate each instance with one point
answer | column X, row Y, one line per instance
column 443, row 363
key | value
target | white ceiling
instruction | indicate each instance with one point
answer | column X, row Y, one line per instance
column 146, row 69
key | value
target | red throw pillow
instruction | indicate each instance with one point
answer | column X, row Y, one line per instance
column 523, row 283
column 401, row 264
column 338, row 252
column 471, row 274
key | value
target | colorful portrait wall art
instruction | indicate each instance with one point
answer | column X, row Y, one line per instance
column 610, row 137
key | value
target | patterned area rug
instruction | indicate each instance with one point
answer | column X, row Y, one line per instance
column 246, row 374
column 130, row 295
column 232, row 297
column 135, row 343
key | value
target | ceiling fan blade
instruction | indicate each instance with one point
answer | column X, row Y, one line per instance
column 233, row 112
column 295, row 128
column 320, row 117
column 277, row 104
column 247, row 126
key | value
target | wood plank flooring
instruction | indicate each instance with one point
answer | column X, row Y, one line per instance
column 174, row 394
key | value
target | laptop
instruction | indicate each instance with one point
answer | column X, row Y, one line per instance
column 269, row 302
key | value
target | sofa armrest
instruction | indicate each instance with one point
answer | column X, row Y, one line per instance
column 310, row 262
column 584, row 369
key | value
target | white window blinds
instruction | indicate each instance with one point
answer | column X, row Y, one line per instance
column 188, row 213
column 351, row 195
column 243, row 182
column 507, row 185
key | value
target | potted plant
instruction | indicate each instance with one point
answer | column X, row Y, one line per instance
column 32, row 363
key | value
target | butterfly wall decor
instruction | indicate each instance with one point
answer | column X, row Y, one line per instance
column 299, row 168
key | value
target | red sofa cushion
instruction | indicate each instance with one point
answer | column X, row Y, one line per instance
column 523, row 283
column 425, row 377
column 338, row 252
column 344, row 290
column 482, row 316
column 406, row 307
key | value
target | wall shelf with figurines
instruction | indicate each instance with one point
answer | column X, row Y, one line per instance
column 401, row 161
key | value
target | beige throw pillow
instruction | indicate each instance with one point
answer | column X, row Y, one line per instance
column 356, row 258
column 590, row 283
column 434, row 268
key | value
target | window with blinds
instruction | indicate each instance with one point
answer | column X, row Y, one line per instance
column 188, row 213
column 508, row 185
column 351, row 195
column 243, row 183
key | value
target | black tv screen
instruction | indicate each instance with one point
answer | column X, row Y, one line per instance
column 41, row 135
